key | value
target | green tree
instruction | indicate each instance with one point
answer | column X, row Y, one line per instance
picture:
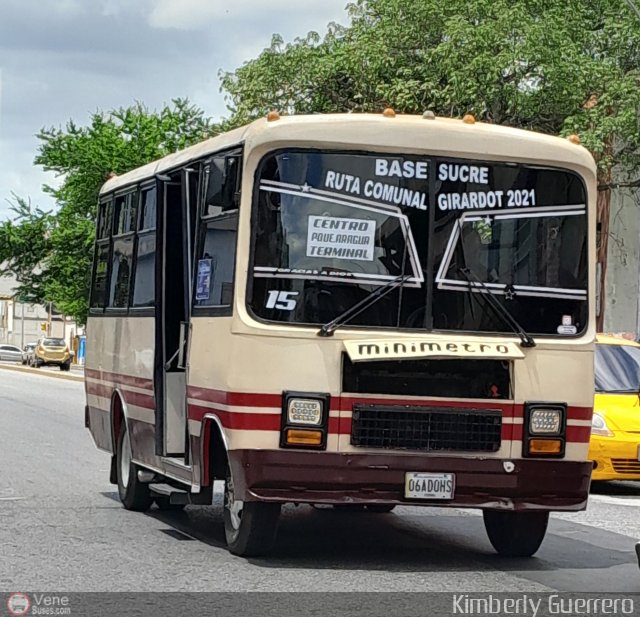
column 23, row 242
column 51, row 253
column 556, row 66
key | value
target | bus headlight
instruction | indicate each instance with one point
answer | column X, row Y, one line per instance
column 304, row 411
column 545, row 421
column 544, row 429
column 305, row 420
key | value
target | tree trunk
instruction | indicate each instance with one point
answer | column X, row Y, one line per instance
column 603, row 206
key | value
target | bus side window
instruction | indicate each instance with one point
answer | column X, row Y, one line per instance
column 223, row 176
column 144, row 277
column 100, row 271
column 100, row 281
column 122, row 254
column 215, row 269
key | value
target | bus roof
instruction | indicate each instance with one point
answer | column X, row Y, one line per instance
column 411, row 134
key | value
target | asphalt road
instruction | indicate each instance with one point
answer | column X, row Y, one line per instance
column 62, row 528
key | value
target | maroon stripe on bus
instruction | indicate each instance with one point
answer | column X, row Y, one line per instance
column 131, row 398
column 99, row 389
column 140, row 400
column 334, row 426
column 579, row 413
column 234, row 420
column 578, row 434
column 119, row 378
column 237, row 399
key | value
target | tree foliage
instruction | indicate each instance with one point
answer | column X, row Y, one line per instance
column 51, row 253
column 23, row 241
column 555, row 66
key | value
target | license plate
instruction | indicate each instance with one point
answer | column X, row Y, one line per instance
column 418, row 485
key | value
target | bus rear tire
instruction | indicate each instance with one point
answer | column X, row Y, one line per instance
column 515, row 534
column 250, row 528
column 134, row 495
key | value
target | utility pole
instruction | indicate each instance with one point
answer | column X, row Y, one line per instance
column 22, row 325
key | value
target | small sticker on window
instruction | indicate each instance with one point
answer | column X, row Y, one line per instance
column 567, row 330
column 203, row 286
column 341, row 238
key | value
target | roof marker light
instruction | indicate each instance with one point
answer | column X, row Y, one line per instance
column 428, row 115
column 469, row 119
column 389, row 112
column 574, row 139
column 272, row 116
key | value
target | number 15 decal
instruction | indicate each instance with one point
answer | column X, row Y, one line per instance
column 283, row 300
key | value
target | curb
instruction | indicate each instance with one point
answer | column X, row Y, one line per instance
column 37, row 371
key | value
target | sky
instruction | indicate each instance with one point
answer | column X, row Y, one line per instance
column 63, row 60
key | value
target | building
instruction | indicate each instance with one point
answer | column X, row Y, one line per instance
column 622, row 294
column 22, row 323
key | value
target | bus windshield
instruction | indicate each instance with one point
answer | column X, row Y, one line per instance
column 331, row 227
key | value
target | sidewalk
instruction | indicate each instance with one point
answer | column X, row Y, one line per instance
column 75, row 374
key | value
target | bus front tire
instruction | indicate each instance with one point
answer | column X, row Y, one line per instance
column 515, row 534
column 250, row 528
column 134, row 495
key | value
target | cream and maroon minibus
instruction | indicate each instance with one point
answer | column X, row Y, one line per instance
column 350, row 310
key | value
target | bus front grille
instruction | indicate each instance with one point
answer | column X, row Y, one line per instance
column 429, row 429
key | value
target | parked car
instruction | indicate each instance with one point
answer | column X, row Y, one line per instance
column 27, row 353
column 10, row 353
column 52, row 351
column 615, row 430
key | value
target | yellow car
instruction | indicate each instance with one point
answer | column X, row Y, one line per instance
column 615, row 431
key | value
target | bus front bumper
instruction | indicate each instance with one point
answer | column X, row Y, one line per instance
column 347, row 478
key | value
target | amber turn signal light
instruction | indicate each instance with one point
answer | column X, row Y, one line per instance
column 545, row 446
column 303, row 437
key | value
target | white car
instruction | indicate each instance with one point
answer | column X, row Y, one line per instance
column 10, row 353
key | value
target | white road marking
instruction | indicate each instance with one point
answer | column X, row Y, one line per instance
column 628, row 500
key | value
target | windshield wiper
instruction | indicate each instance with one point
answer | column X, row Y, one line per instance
column 380, row 292
column 500, row 310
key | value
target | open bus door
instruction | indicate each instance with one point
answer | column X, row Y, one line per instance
column 176, row 219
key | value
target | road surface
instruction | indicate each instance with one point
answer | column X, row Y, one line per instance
column 62, row 528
